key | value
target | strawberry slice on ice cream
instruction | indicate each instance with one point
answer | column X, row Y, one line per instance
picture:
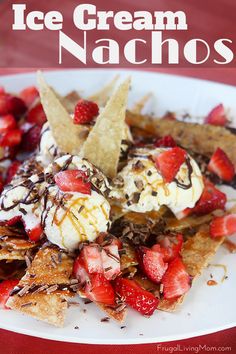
column 169, row 162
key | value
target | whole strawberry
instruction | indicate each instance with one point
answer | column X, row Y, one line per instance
column 85, row 112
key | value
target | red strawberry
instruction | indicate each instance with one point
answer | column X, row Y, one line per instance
column 29, row 95
column 166, row 141
column 79, row 270
column 169, row 162
column 106, row 239
column 170, row 246
column 99, row 289
column 136, row 297
column 13, row 220
column 210, row 200
column 91, row 255
column 221, row 165
column 85, row 111
column 1, row 183
column 7, row 123
column 35, row 233
column 176, row 280
column 31, row 138
column 6, row 287
column 223, row 226
column 12, row 170
column 37, row 115
column 11, row 138
column 11, row 104
column 73, row 181
column 152, row 263
column 110, row 261
column 217, row 116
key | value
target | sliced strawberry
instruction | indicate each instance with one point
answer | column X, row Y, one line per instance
column 85, row 111
column 14, row 220
column 136, row 297
column 166, row 141
column 111, row 261
column 7, row 123
column 31, row 138
column 99, row 289
column 221, row 165
column 210, row 200
column 12, row 170
column 6, row 286
column 11, row 138
column 1, row 183
column 35, row 233
column 176, row 280
column 29, row 95
column 37, row 115
column 169, row 162
column 107, row 239
column 11, row 104
column 152, row 263
column 73, row 181
column 79, row 270
column 223, row 226
column 170, row 246
column 217, row 116
column 91, row 255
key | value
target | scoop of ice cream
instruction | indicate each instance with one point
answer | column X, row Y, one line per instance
column 48, row 149
column 143, row 189
column 72, row 217
column 67, row 218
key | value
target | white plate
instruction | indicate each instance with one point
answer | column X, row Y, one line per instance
column 207, row 309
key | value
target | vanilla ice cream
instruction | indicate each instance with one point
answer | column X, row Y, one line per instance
column 143, row 189
column 67, row 218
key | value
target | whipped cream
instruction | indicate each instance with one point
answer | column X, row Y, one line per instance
column 143, row 189
column 67, row 218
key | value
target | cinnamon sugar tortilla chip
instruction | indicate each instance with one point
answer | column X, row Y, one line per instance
column 203, row 139
column 49, row 308
column 50, row 267
column 102, row 96
column 197, row 253
column 69, row 137
column 112, row 313
column 138, row 106
column 102, row 147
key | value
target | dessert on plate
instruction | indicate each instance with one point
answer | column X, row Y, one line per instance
column 104, row 203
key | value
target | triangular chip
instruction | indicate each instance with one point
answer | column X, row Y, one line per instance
column 138, row 106
column 102, row 96
column 102, row 147
column 117, row 315
column 68, row 136
column 43, row 290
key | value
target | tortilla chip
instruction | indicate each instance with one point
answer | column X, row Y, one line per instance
column 138, row 106
column 190, row 222
column 70, row 100
column 102, row 96
column 68, row 136
column 50, row 267
column 112, row 313
column 102, row 147
column 196, row 254
column 49, row 308
column 203, row 139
